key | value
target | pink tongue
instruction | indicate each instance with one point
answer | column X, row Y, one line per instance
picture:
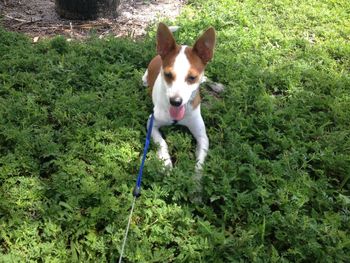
column 177, row 113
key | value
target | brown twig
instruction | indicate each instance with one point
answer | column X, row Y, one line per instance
column 17, row 19
column 22, row 21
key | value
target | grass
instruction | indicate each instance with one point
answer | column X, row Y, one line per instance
column 276, row 181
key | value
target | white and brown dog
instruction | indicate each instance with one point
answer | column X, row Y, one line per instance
column 173, row 77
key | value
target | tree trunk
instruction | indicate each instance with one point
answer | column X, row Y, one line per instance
column 86, row 9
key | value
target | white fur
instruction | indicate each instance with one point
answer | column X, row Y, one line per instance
column 144, row 79
column 161, row 94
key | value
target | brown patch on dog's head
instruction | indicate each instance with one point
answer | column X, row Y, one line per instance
column 153, row 71
column 168, row 50
column 168, row 63
column 197, row 66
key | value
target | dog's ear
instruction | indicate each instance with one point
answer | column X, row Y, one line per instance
column 165, row 40
column 204, row 46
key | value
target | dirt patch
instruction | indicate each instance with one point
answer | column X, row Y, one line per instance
column 38, row 18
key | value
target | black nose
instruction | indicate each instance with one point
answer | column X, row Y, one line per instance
column 176, row 101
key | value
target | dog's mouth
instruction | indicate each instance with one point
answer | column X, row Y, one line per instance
column 177, row 113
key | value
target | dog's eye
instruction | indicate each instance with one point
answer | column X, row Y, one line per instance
column 191, row 78
column 168, row 75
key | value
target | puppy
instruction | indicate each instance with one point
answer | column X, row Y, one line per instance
column 173, row 77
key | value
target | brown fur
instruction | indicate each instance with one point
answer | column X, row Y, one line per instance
column 169, row 61
column 204, row 46
column 156, row 64
column 165, row 40
column 153, row 71
column 196, row 101
column 197, row 65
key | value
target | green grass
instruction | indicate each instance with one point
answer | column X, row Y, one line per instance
column 276, row 181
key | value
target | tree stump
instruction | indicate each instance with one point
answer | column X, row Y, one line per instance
column 86, row 9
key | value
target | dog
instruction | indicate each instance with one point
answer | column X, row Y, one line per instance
column 174, row 77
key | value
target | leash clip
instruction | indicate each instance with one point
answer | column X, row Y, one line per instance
column 137, row 191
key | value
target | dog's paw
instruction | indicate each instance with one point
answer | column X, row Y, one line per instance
column 216, row 87
column 197, row 198
column 198, row 170
column 168, row 163
column 197, row 190
column 165, row 157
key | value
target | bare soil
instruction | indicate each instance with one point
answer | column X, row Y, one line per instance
column 38, row 18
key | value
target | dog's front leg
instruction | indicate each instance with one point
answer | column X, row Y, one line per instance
column 162, row 152
column 197, row 128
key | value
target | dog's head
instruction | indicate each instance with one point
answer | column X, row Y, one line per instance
column 182, row 67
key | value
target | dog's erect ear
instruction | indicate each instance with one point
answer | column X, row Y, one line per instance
column 165, row 40
column 204, row 46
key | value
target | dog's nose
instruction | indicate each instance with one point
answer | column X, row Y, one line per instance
column 176, row 101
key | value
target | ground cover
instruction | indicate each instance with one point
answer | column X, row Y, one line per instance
column 276, row 182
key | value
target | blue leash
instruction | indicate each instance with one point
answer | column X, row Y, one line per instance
column 137, row 190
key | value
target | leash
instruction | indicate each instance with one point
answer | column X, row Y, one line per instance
column 137, row 190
